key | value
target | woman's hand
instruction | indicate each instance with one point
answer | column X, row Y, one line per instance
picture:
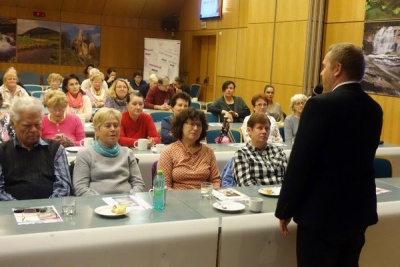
column 150, row 142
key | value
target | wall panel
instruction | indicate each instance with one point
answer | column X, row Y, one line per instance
column 345, row 10
column 289, row 53
column 227, row 50
column 261, row 11
column 242, row 54
column 230, row 18
column 292, row 10
column 343, row 32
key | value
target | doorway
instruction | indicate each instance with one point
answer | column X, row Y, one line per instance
column 202, row 65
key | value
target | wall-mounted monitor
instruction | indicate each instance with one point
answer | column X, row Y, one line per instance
column 210, row 9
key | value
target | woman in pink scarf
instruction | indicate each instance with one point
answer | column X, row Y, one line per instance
column 78, row 102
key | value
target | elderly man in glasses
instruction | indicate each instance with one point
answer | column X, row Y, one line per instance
column 31, row 167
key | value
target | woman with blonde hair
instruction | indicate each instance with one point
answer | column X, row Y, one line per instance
column 58, row 125
column 106, row 167
column 10, row 89
column 117, row 95
column 54, row 80
column 96, row 93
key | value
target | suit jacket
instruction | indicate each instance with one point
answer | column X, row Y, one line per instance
column 329, row 183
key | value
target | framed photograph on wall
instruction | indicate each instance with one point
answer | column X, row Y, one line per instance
column 8, row 35
column 38, row 42
column 80, row 44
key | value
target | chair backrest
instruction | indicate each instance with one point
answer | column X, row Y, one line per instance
column 29, row 77
column 159, row 115
column 195, row 90
column 382, row 168
column 227, row 179
column 44, row 78
column 196, row 105
column 282, row 133
column 33, row 87
column 212, row 117
column 37, row 94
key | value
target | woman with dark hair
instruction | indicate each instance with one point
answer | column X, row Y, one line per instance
column 180, row 86
column 78, row 101
column 110, row 76
column 273, row 109
column 259, row 163
column 229, row 106
column 178, row 102
column 187, row 163
column 87, row 69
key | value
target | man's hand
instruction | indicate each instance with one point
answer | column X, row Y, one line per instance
column 283, row 223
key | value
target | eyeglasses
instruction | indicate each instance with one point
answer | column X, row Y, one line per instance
column 299, row 103
column 261, row 105
column 194, row 124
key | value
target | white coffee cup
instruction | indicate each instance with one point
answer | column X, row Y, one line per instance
column 159, row 147
column 140, row 144
column 255, row 204
column 87, row 141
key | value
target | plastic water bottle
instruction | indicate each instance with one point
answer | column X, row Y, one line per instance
column 159, row 191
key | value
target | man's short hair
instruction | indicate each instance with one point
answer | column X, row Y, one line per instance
column 25, row 104
column 351, row 58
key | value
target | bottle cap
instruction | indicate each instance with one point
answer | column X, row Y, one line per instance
column 159, row 171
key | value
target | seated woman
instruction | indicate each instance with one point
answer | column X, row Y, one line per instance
column 96, row 93
column 111, row 76
column 78, row 101
column 64, row 128
column 143, row 89
column 137, row 80
column 259, row 163
column 297, row 103
column 187, row 163
column 54, row 80
column 232, row 107
column 117, row 95
column 178, row 102
column 259, row 103
column 10, row 88
column 6, row 131
column 273, row 109
column 106, row 167
column 135, row 124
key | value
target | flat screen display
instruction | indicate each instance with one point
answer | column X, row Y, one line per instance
column 210, row 9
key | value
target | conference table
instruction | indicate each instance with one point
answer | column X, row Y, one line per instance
column 189, row 232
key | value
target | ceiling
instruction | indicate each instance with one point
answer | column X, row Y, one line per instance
column 140, row 9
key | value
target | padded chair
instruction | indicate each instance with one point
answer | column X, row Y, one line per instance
column 212, row 117
column 382, row 168
column 208, row 104
column 159, row 115
column 227, row 179
column 37, row 94
column 29, row 77
column 195, row 90
column 33, row 87
column 282, row 133
column 44, row 79
column 196, row 105
column 212, row 134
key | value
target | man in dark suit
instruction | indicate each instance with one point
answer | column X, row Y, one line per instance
column 329, row 186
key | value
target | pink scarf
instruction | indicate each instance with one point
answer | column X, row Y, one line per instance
column 75, row 102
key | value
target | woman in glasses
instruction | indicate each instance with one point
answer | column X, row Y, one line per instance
column 297, row 103
column 187, row 163
column 260, row 103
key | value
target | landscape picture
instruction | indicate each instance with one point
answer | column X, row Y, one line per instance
column 80, row 44
column 7, row 40
column 382, row 9
column 38, row 42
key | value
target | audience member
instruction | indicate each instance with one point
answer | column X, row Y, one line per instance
column 87, row 70
column 329, row 188
column 259, row 163
column 137, row 80
column 111, row 76
column 187, row 163
column 31, row 167
column 54, row 80
column 6, row 131
column 86, row 84
column 273, row 109
column 297, row 103
column 117, row 95
column 12, row 69
column 106, row 167
column 64, row 128
column 232, row 107
column 144, row 89
column 135, row 124
column 96, row 93
column 159, row 95
column 10, row 89
column 78, row 102
column 180, row 86
column 178, row 102
column 259, row 103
